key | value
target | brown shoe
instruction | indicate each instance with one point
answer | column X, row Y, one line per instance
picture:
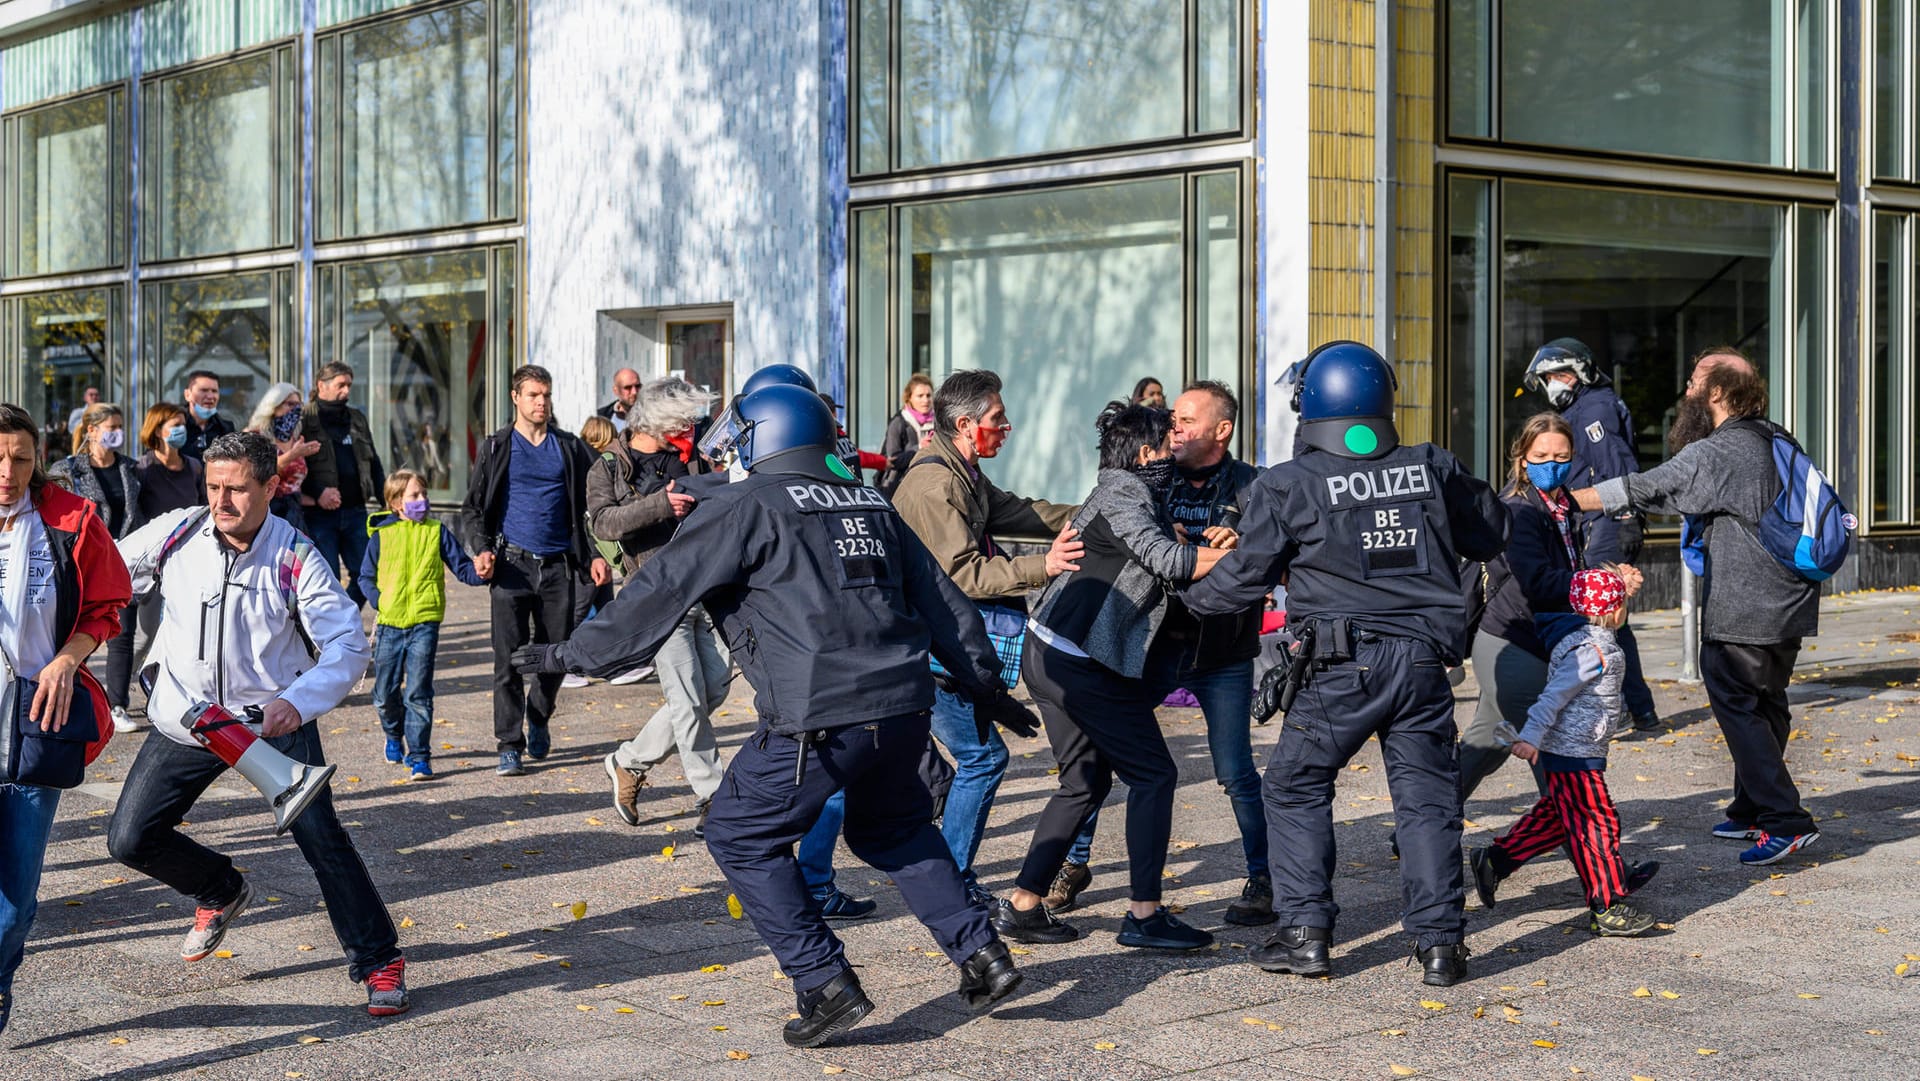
column 627, row 784
column 1065, row 891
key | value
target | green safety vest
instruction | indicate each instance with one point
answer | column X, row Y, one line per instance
column 413, row 583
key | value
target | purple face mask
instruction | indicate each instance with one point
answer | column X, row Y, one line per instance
column 414, row 510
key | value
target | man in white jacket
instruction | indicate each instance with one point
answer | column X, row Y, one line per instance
column 251, row 616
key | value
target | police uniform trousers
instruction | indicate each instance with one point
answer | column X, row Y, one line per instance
column 760, row 813
column 1395, row 688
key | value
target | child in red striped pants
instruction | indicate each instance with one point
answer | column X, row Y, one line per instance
column 1566, row 736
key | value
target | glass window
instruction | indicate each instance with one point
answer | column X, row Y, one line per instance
column 976, row 80
column 1893, row 83
column 239, row 327
column 216, row 158
column 418, row 121
column 66, row 342
column 66, row 186
column 1070, row 294
column 1641, row 76
column 1815, row 48
column 877, row 399
column 1470, row 301
column 1646, row 280
column 1813, row 393
column 1892, row 367
column 697, row 353
column 1217, row 284
column 415, row 331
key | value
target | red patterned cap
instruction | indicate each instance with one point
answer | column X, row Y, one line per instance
column 1597, row 592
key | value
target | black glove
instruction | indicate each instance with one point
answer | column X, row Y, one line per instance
column 1000, row 707
column 536, row 659
column 1266, row 699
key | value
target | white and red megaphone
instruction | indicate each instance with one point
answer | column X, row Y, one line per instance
column 288, row 785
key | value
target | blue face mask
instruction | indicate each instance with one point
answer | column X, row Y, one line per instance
column 1547, row 476
column 177, row 436
column 205, row 412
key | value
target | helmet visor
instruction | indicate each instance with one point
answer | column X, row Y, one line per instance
column 723, row 435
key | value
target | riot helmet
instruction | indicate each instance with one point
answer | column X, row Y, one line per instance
column 773, row 375
column 777, row 375
column 1343, row 392
column 1569, row 355
column 774, row 421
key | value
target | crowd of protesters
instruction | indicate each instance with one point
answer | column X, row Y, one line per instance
column 1092, row 620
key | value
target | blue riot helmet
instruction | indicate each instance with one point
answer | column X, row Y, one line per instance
column 1343, row 392
column 777, row 375
column 776, row 421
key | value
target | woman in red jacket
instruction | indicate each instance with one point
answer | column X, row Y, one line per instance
column 62, row 586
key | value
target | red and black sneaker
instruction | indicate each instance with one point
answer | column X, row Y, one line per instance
column 387, row 989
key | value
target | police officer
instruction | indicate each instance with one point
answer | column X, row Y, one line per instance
column 1564, row 371
column 830, row 604
column 1369, row 535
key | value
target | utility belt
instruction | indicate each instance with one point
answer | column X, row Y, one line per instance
column 1318, row 645
column 517, row 554
column 807, row 741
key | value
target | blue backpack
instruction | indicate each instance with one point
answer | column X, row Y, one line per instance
column 1806, row 528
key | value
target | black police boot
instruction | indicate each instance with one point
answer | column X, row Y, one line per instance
column 1486, row 875
column 1639, row 874
column 837, row 1005
column 988, row 976
column 1445, row 965
column 1255, row 906
column 1299, row 950
column 1035, row 925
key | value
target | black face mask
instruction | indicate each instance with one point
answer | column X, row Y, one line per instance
column 332, row 407
column 1157, row 474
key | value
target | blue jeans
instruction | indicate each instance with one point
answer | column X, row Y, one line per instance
column 978, row 767
column 26, row 818
column 403, row 685
column 341, row 535
column 1226, row 697
column 816, row 848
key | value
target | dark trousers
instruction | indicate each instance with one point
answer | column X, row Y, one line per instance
column 163, row 785
column 1395, row 688
column 1101, row 723
column 120, row 656
column 1578, row 812
column 340, row 536
column 759, row 814
column 532, row 602
column 1747, row 687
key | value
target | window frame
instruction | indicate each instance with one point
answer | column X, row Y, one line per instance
column 14, row 378
column 325, row 124
column 288, row 149
column 120, row 196
column 1247, row 430
column 1249, row 48
column 1910, row 98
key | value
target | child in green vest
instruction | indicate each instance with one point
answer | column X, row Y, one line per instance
column 406, row 587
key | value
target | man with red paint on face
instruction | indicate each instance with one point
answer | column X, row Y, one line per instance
column 956, row 511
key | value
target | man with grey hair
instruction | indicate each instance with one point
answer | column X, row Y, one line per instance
column 956, row 511
column 251, row 619
column 626, row 388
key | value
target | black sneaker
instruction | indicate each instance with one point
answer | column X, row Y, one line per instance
column 1445, row 965
column 836, row 1006
column 1486, row 877
column 1067, row 886
column 1255, row 906
column 987, row 977
column 705, row 807
column 539, row 742
column 1161, row 931
column 1646, row 722
column 1639, row 874
column 1035, row 925
column 1618, row 920
column 1301, row 951
column 841, row 906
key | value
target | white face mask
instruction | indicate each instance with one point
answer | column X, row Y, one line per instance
column 112, row 438
column 736, row 471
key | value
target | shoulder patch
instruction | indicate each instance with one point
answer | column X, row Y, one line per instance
column 1595, row 433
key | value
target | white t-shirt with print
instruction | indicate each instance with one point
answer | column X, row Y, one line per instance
column 28, row 631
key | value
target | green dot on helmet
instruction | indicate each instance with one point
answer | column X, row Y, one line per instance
column 1360, row 439
column 839, row 468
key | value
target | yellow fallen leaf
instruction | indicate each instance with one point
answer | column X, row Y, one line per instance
column 304, row 948
column 1669, row 994
column 714, row 1002
column 1900, row 969
column 1393, row 1032
column 676, row 998
column 713, row 968
column 226, row 955
column 566, row 964
column 1706, row 1050
column 1252, row 1021
column 1641, row 1077
column 584, row 1008
column 738, row 1056
column 406, row 921
column 595, row 822
column 1641, row 992
column 1803, row 994
column 579, row 910
column 1545, row 1043
column 1429, row 1004
column 1479, row 1012
column 1538, row 983
column 312, row 1039
column 623, row 1009
column 1104, row 1046
column 118, row 1040
column 719, row 1028
column 833, row 1069
column 733, row 907
column 1401, row 1071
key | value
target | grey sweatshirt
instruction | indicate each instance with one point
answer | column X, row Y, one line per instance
column 1576, row 711
column 1727, row 478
